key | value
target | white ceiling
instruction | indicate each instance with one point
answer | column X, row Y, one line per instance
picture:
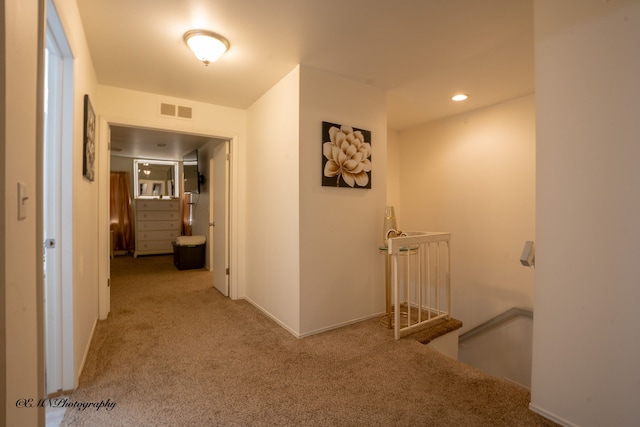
column 420, row 51
column 143, row 143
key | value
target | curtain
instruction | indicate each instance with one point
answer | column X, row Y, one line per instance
column 121, row 222
column 186, row 214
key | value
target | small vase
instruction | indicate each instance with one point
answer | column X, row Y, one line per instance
column 389, row 222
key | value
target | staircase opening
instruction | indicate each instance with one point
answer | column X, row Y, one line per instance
column 501, row 347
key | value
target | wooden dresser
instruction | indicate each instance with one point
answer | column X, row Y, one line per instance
column 157, row 225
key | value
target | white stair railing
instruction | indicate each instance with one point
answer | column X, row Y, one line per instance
column 421, row 279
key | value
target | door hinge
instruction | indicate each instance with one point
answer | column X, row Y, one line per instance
column 227, row 271
column 228, row 156
column 108, row 282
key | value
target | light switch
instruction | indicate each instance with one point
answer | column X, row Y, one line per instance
column 22, row 201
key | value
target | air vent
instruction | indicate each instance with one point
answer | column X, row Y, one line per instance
column 184, row 112
column 179, row 111
column 167, row 109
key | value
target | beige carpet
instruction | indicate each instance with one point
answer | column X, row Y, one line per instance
column 174, row 352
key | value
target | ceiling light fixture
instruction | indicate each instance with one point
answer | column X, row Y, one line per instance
column 459, row 97
column 206, row 46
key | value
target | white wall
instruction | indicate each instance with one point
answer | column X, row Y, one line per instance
column 312, row 260
column 393, row 171
column 341, row 272
column 474, row 175
column 586, row 347
column 22, row 334
column 272, row 233
column 135, row 108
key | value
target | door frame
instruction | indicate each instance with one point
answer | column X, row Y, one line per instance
column 105, row 121
column 104, row 218
column 59, row 348
column 220, row 195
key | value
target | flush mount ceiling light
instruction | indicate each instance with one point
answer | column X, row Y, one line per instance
column 206, row 46
column 459, row 97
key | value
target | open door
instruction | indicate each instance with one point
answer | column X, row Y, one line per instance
column 57, row 186
column 220, row 217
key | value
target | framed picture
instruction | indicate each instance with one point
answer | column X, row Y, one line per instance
column 346, row 156
column 89, row 141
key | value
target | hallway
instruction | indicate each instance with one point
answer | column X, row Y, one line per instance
column 175, row 352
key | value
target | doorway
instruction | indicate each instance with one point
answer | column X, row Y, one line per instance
column 57, row 202
column 146, row 144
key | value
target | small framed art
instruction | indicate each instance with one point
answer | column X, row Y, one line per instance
column 346, row 156
column 89, row 141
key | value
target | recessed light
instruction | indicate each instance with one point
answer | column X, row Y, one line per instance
column 459, row 97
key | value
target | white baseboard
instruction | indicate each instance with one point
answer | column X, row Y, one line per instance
column 270, row 316
column 517, row 383
column 340, row 325
column 314, row 332
column 86, row 352
column 551, row 416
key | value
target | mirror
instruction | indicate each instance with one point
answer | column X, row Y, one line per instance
column 155, row 179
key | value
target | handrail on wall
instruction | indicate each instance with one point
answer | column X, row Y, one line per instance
column 495, row 322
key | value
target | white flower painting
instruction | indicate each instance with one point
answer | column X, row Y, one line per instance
column 346, row 156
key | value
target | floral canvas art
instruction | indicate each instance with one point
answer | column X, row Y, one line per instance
column 346, row 156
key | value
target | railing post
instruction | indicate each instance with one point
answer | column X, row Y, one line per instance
column 396, row 297
column 448, row 278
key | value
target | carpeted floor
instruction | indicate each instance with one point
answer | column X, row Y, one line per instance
column 175, row 352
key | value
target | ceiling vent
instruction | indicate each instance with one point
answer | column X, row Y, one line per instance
column 179, row 111
column 184, row 112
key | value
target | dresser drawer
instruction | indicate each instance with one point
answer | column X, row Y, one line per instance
column 158, row 225
column 169, row 235
column 158, row 205
column 157, row 215
column 154, row 246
